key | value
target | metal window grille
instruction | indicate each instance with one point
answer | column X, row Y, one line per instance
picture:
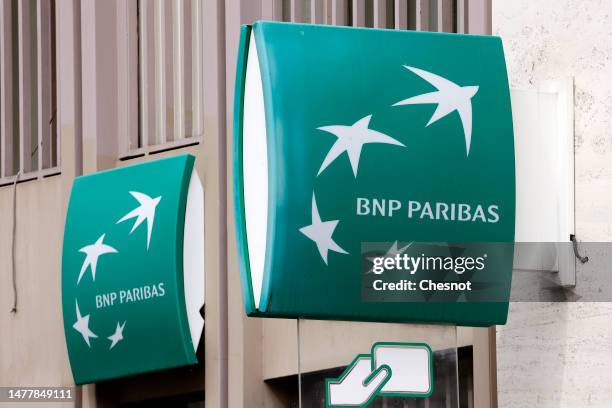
column 29, row 144
column 160, row 61
column 422, row 15
column 160, row 54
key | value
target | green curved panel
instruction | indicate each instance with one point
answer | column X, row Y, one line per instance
column 419, row 119
column 122, row 271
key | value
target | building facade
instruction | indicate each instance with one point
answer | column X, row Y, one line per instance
column 92, row 85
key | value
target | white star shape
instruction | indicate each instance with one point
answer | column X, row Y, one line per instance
column 93, row 252
column 351, row 140
column 321, row 233
column 391, row 253
column 145, row 211
column 449, row 97
column 82, row 325
column 117, row 336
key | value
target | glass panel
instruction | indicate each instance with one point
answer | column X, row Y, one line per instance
column 325, row 349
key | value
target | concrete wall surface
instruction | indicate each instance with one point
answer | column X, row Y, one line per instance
column 559, row 354
column 32, row 350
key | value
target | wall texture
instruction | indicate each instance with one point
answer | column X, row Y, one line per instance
column 559, row 354
column 32, row 350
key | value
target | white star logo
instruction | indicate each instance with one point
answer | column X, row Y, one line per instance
column 117, row 336
column 449, row 97
column 82, row 326
column 93, row 252
column 145, row 211
column 351, row 140
column 321, row 233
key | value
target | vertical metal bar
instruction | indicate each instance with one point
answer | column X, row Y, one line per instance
column 299, row 362
column 462, row 16
column 448, row 377
column 7, row 147
column 401, row 14
column 69, row 89
column 297, row 11
column 143, row 77
column 445, row 16
column 380, row 13
column 169, row 110
column 26, row 111
column 178, row 68
column 160, row 72
column 272, row 10
column 163, row 71
column 53, row 120
column 479, row 17
column 359, row 12
column 43, row 71
column 132, row 71
column 217, row 78
column 485, row 366
column 127, row 76
column 187, row 73
column 148, row 70
column 317, row 11
column 421, row 14
column 339, row 12
column 196, row 59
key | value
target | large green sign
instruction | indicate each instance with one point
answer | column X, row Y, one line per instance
column 132, row 269
column 346, row 137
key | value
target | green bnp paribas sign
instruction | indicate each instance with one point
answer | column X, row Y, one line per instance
column 357, row 146
column 132, row 269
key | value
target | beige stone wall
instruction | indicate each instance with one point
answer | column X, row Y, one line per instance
column 32, row 347
column 553, row 354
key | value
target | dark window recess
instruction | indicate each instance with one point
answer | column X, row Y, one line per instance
column 181, row 387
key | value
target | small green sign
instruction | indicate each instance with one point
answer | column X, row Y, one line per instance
column 350, row 136
column 132, row 269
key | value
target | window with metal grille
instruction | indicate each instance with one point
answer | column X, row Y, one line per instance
column 422, row 15
column 29, row 145
column 160, row 65
column 160, row 54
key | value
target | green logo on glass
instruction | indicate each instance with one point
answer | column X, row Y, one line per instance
column 349, row 136
column 132, row 269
